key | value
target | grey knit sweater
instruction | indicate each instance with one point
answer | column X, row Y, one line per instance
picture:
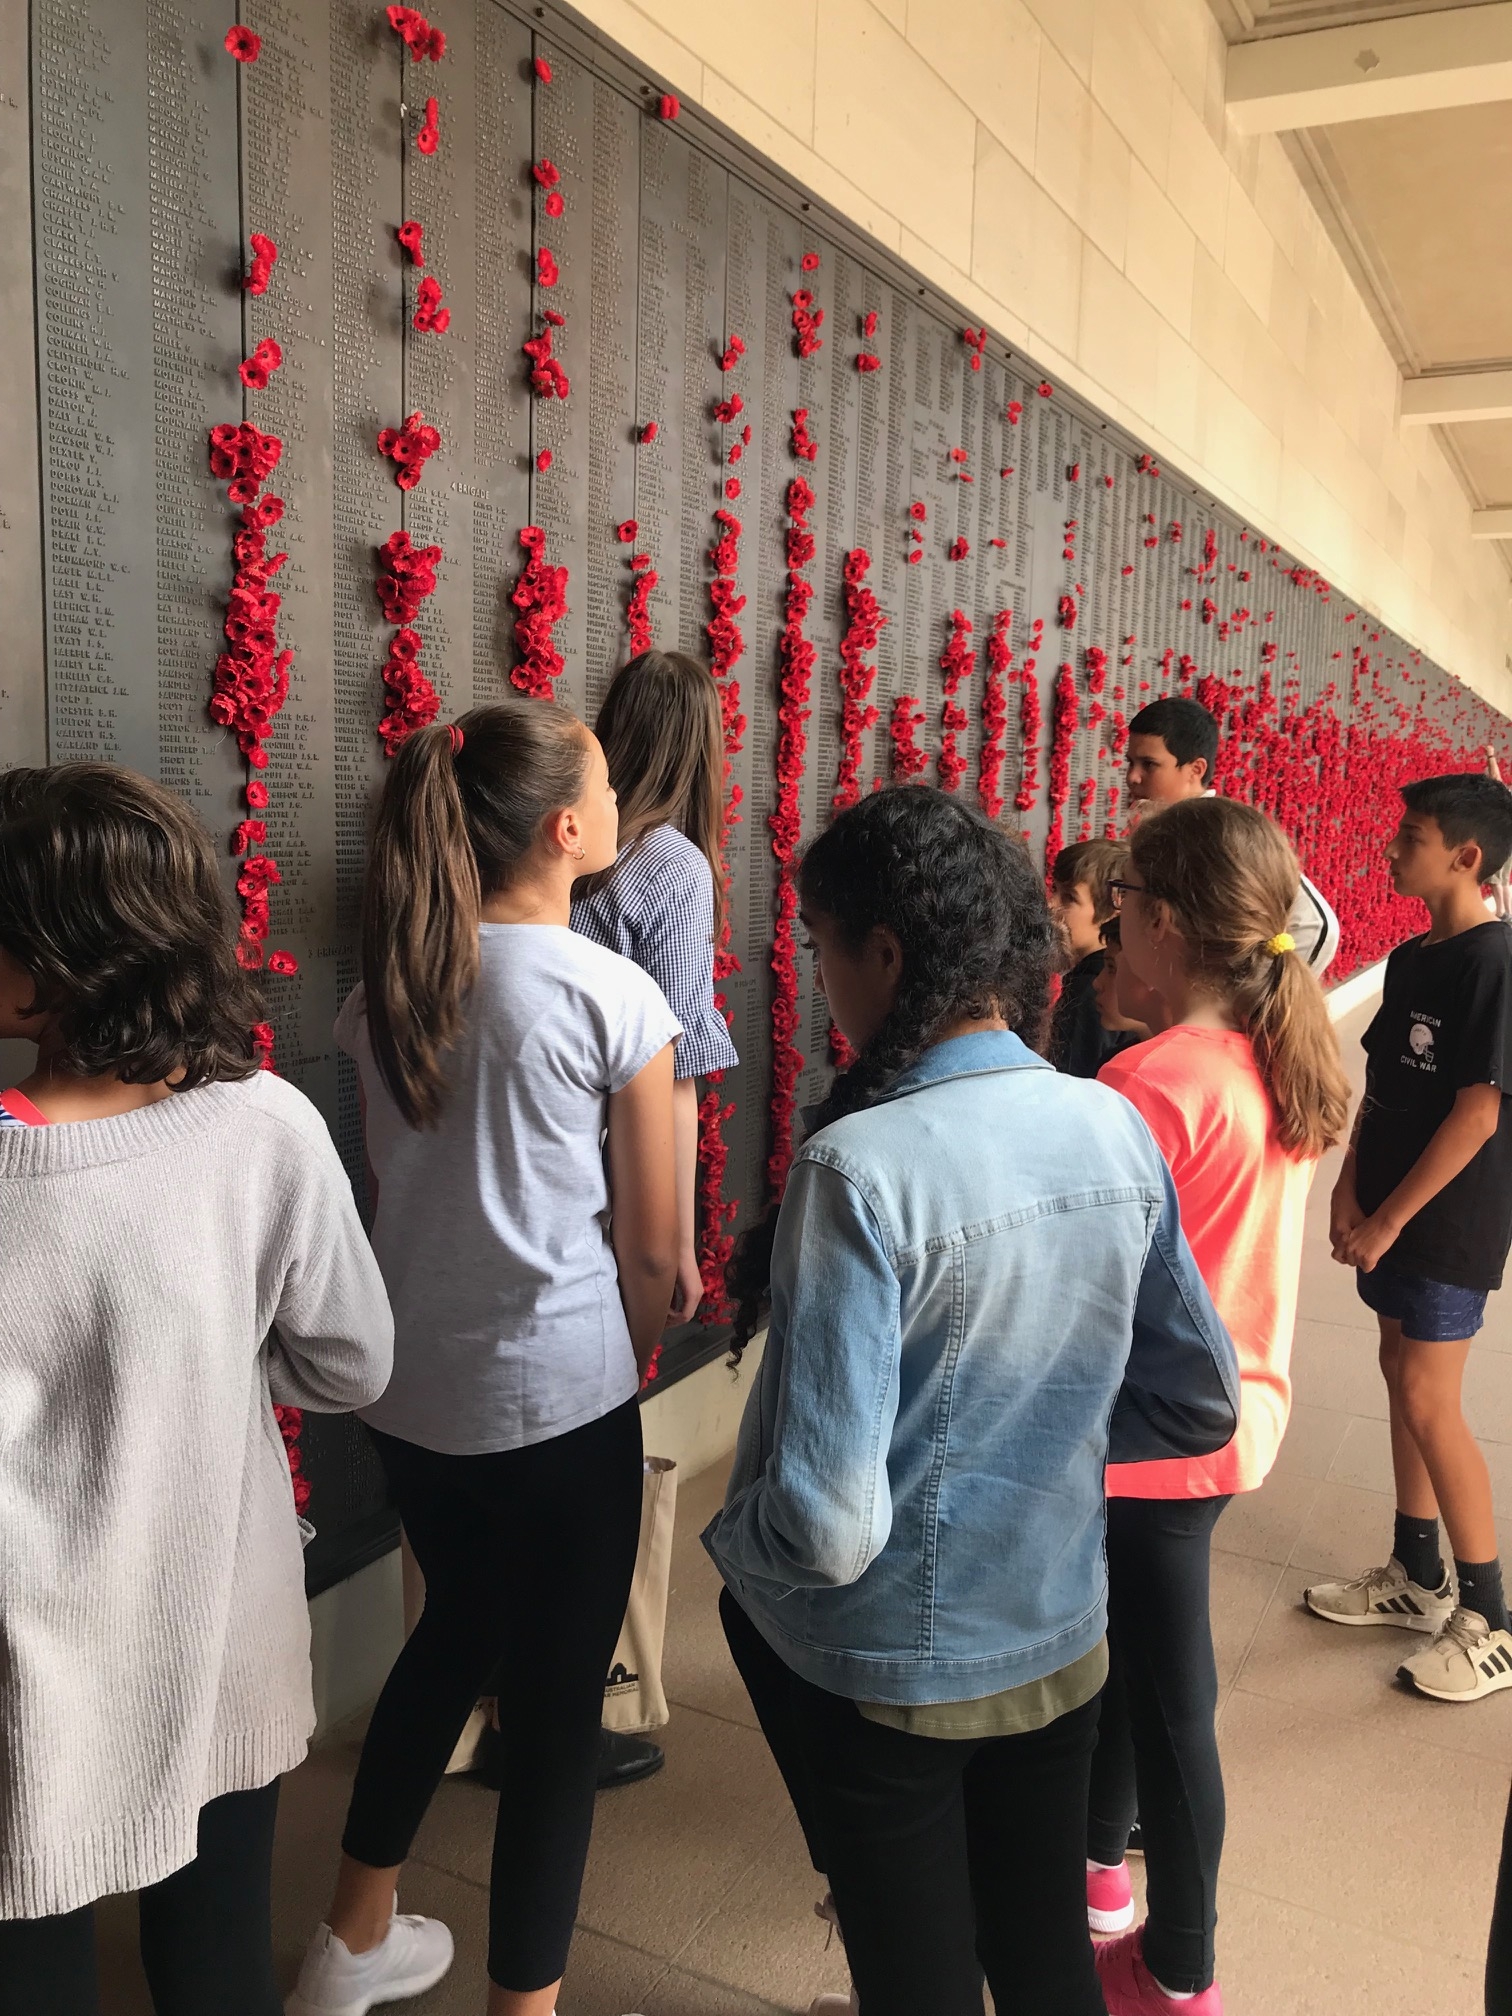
column 154, row 1640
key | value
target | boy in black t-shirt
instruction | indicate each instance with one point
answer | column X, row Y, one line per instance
column 1423, row 1211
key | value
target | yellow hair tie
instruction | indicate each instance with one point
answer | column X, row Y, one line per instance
column 1282, row 942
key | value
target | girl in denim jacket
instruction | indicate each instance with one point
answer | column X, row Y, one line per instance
column 976, row 1278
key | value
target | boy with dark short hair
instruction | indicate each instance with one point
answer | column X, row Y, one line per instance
column 1082, row 900
column 1173, row 754
column 1423, row 1211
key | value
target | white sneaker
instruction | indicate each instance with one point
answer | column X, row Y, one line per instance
column 412, row 1956
column 1383, row 1596
column 1465, row 1662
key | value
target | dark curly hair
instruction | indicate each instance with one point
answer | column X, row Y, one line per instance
column 969, row 910
column 112, row 905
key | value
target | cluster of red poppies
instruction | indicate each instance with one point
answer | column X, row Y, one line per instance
column 807, row 321
column 547, row 378
column 417, row 34
column 858, row 674
column 409, row 699
column 409, row 448
column 796, row 655
column 252, row 674
column 264, row 259
column 431, row 318
column 243, row 455
column 407, row 576
column 540, row 597
column 994, row 750
column 643, row 579
column 957, row 663
column 256, row 371
column 1062, row 738
column 908, row 759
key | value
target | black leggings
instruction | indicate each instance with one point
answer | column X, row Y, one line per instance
column 1157, row 1752
column 527, row 1556
column 206, row 1931
column 947, row 1860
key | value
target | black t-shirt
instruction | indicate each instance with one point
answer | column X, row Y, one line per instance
column 1079, row 1044
column 1445, row 1022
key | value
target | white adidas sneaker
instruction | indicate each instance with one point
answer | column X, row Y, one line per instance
column 1465, row 1662
column 1383, row 1596
column 413, row 1955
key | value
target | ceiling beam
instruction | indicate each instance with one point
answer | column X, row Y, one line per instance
column 1455, row 396
column 1414, row 63
column 1495, row 524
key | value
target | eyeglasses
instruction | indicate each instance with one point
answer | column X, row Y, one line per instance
column 1118, row 890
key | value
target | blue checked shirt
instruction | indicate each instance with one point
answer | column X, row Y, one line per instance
column 658, row 909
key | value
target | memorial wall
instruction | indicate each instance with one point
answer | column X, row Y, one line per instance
column 520, row 364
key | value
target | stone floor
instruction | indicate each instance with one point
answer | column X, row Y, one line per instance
column 1363, row 1824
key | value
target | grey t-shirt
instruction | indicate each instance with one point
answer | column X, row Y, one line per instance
column 492, row 1229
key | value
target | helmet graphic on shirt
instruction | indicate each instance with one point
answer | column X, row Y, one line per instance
column 1421, row 1038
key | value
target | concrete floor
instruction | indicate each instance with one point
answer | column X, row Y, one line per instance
column 1364, row 1824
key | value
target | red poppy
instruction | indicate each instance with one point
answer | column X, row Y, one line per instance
column 542, row 69
column 546, row 172
column 282, row 962
column 627, row 532
column 428, row 139
column 918, row 509
column 958, row 549
column 668, row 106
column 554, row 204
column 865, row 361
column 869, row 326
column 547, row 270
column 809, row 262
column 412, row 237
column 648, row 433
column 243, row 44
column 543, row 460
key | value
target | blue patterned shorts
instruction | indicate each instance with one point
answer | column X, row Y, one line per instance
column 1434, row 1312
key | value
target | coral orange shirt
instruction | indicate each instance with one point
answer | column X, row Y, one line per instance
column 1243, row 1199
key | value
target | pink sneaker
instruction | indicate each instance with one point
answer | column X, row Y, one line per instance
column 1110, row 1899
column 1130, row 1989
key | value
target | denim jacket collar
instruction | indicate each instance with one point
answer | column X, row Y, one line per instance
column 966, row 1057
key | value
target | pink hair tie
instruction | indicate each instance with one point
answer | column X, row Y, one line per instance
column 456, row 737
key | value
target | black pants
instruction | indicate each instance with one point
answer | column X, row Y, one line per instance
column 206, row 1930
column 1499, row 1953
column 947, row 1860
column 1157, row 1753
column 527, row 1557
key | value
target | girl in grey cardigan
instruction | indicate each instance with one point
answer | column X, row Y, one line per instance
column 179, row 1250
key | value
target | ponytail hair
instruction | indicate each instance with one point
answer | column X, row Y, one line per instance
column 968, row 908
column 662, row 728
column 459, row 814
column 1231, row 878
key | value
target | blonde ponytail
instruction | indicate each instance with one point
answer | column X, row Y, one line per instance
column 1231, row 879
column 459, row 813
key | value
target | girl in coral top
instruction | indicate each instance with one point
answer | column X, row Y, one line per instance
column 1243, row 1091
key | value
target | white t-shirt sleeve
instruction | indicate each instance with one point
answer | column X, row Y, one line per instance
column 637, row 1024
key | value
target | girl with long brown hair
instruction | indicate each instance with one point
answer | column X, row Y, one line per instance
column 662, row 903
column 1243, row 1090
column 497, row 1050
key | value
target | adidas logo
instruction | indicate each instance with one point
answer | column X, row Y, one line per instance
column 1496, row 1663
column 1401, row 1606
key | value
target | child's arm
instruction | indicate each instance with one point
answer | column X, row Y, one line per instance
column 1458, row 1140
column 687, row 1291
column 332, row 1338
column 1344, row 1214
column 643, row 1187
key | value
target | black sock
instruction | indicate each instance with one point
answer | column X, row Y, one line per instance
column 1480, row 1589
column 1416, row 1546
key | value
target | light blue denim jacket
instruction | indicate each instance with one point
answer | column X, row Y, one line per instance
column 981, row 1294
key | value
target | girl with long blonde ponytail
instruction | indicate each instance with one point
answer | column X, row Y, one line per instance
column 1243, row 1091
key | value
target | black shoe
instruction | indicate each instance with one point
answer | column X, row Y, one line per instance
column 1136, row 1841
column 624, row 1759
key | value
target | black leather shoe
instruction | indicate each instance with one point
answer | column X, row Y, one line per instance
column 624, row 1759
